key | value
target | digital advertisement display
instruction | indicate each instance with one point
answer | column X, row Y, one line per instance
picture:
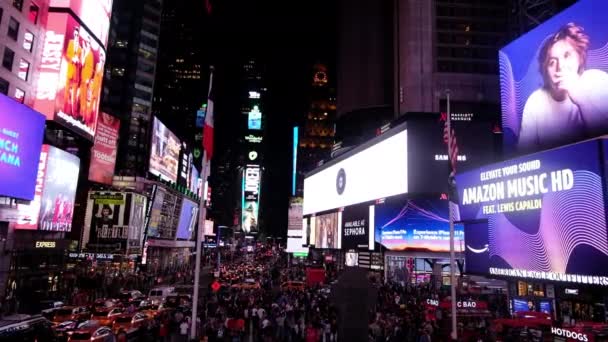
column 250, row 216
column 187, row 219
column 554, row 80
column 474, row 138
column 53, row 205
column 21, row 133
column 294, row 217
column 355, row 227
column 254, row 121
column 103, row 152
column 250, row 198
column 418, row 224
column 164, row 156
column 115, row 218
column 95, row 14
column 61, row 180
column 71, row 73
column 327, row 231
column 545, row 216
column 193, row 182
column 375, row 170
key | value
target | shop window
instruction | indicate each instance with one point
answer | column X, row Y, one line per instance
column 24, row 69
column 33, row 14
column 18, row 4
column 7, row 59
column 13, row 29
column 28, row 41
column 19, row 95
column 4, row 85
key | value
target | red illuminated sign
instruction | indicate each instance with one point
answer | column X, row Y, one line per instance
column 103, row 153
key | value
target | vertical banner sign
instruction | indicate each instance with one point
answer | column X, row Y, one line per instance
column 250, row 202
column 294, row 161
column 103, row 153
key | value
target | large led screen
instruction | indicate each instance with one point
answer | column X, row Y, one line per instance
column 103, row 152
column 372, row 172
column 356, row 227
column 164, row 156
column 254, row 120
column 70, row 75
column 546, row 216
column 554, row 80
column 95, row 14
column 327, row 231
column 53, row 205
column 21, row 132
column 187, row 219
column 404, row 224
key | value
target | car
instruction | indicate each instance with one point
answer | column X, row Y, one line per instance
column 158, row 294
column 64, row 329
column 106, row 316
column 92, row 333
column 293, row 285
column 26, row 328
column 130, row 295
column 71, row 313
column 129, row 322
column 106, row 302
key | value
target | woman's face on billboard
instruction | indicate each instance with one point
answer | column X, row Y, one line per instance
column 563, row 64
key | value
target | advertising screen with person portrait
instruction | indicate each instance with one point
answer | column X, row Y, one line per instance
column 422, row 224
column 70, row 75
column 21, row 133
column 327, row 232
column 250, row 216
column 103, row 152
column 545, row 216
column 187, row 220
column 114, row 218
column 164, row 156
column 554, row 80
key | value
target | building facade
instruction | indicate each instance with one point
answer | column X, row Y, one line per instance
column 21, row 37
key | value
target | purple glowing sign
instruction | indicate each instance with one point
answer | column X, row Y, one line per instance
column 21, row 133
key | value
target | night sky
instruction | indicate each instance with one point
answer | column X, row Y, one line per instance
column 287, row 38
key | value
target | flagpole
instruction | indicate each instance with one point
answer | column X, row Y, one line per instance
column 451, row 219
column 200, row 232
column 199, row 239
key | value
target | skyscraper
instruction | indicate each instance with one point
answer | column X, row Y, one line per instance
column 129, row 79
column 318, row 125
column 181, row 79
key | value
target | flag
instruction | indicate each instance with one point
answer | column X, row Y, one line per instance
column 208, row 126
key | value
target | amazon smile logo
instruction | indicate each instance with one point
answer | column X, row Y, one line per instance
column 486, row 248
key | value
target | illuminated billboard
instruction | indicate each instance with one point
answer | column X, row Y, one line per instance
column 103, row 152
column 164, row 156
column 21, row 133
column 187, row 219
column 115, row 218
column 53, row 205
column 375, row 170
column 327, row 230
column 357, row 225
column 545, row 216
column 250, row 198
column 554, row 80
column 70, row 75
column 254, row 121
column 415, row 224
column 95, row 14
